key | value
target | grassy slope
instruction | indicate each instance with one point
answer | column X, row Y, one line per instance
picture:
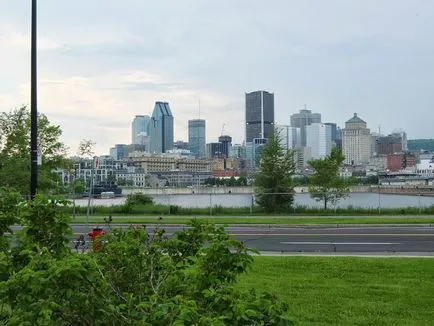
column 349, row 291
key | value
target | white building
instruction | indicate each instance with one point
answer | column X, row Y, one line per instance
column 425, row 168
column 289, row 136
column 356, row 141
column 139, row 129
column 319, row 139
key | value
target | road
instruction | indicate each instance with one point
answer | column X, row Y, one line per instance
column 332, row 239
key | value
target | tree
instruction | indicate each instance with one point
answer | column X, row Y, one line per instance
column 273, row 185
column 325, row 184
column 8, row 214
column 15, row 151
column 137, row 278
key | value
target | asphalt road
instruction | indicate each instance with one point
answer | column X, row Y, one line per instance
column 373, row 239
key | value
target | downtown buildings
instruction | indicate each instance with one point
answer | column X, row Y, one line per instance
column 259, row 115
column 197, row 137
column 161, row 128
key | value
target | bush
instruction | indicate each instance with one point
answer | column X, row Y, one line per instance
column 138, row 199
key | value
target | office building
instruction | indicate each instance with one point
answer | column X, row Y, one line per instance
column 319, row 139
column 139, row 129
column 356, row 141
column 259, row 115
column 196, row 137
column 254, row 151
column 214, row 150
column 226, row 142
column 289, row 136
column 388, row 144
column 161, row 128
column 301, row 120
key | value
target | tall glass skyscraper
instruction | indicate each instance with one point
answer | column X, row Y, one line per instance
column 197, row 137
column 259, row 115
column 161, row 128
column 139, row 128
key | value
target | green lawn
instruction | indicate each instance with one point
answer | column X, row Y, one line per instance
column 349, row 291
column 265, row 220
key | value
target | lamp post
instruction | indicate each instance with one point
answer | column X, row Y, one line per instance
column 33, row 107
column 379, row 194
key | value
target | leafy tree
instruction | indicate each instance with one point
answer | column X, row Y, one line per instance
column 8, row 214
column 273, row 185
column 325, row 184
column 15, row 151
column 45, row 224
column 137, row 278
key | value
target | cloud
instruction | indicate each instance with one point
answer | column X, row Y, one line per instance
column 102, row 62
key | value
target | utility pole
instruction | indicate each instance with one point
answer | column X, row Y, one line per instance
column 33, row 107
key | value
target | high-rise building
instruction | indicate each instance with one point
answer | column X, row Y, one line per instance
column 181, row 145
column 288, row 136
column 226, row 142
column 259, row 115
column 139, row 129
column 388, row 144
column 197, row 137
column 213, row 150
column 356, row 141
column 303, row 119
column 161, row 128
column 319, row 139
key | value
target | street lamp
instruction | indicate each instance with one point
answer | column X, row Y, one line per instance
column 379, row 193
column 33, row 107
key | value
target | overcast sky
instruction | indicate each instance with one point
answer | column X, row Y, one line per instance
column 103, row 61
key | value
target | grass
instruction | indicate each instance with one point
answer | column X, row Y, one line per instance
column 348, row 291
column 152, row 209
column 263, row 220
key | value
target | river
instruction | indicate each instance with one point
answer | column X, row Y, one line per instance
column 363, row 200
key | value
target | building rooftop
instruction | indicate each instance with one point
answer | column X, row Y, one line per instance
column 355, row 119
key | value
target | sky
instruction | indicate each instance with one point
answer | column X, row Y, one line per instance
column 101, row 62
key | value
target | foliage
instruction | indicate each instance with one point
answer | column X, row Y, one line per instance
column 137, row 278
column 137, row 199
column 15, row 151
column 67, row 290
column 273, row 184
column 421, row 144
column 229, row 182
column 45, row 224
column 325, row 184
column 8, row 214
column 86, row 148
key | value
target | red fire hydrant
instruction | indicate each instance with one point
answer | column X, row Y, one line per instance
column 95, row 235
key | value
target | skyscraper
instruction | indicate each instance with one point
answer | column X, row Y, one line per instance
column 288, row 136
column 319, row 139
column 356, row 141
column 259, row 115
column 161, row 128
column 139, row 128
column 226, row 142
column 196, row 137
column 303, row 119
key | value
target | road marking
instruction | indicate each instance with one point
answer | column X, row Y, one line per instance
column 338, row 243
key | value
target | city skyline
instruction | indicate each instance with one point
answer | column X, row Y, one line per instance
column 99, row 67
